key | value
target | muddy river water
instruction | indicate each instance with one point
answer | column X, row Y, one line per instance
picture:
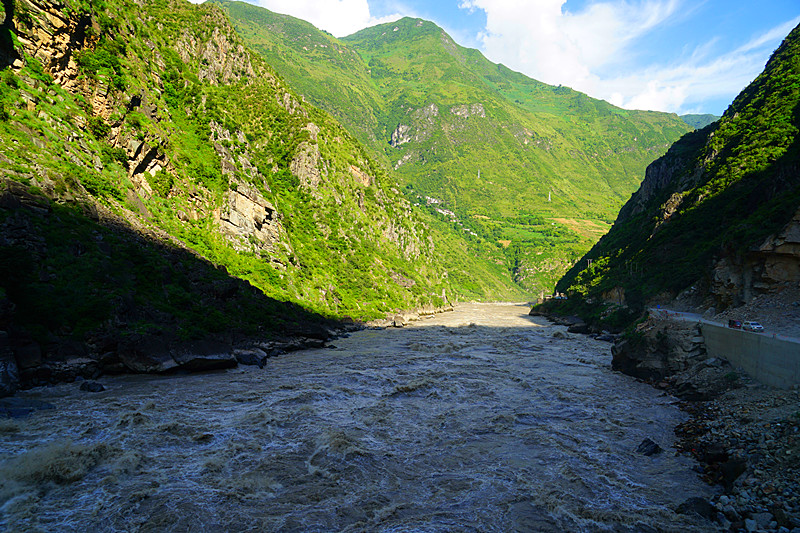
column 475, row 420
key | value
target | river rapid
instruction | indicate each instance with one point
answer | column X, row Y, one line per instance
column 475, row 420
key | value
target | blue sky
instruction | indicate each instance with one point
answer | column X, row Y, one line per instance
column 684, row 56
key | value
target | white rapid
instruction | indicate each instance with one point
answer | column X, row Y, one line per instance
column 475, row 420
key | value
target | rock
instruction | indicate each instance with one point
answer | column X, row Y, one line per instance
column 750, row 524
column 9, row 373
column 560, row 335
column 28, row 353
column 146, row 354
column 205, row 355
column 249, row 220
column 763, row 520
column 92, row 386
column 250, row 356
column 648, row 448
column 579, row 327
column 698, row 506
column 731, row 470
column 398, row 322
column 607, row 337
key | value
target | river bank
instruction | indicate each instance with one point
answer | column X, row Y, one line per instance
column 483, row 419
column 745, row 435
column 748, row 441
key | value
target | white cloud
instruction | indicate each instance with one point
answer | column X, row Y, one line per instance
column 682, row 87
column 561, row 47
column 594, row 51
column 339, row 17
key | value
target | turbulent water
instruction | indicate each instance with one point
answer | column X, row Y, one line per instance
column 476, row 420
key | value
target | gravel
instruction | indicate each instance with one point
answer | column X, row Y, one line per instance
column 748, row 441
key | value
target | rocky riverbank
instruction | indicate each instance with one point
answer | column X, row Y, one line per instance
column 745, row 435
column 748, row 441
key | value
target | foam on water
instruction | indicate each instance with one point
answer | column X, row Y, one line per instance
column 477, row 420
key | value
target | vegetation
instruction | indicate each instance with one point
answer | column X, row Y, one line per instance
column 699, row 121
column 482, row 139
column 723, row 190
column 164, row 131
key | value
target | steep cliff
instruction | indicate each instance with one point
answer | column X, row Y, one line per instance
column 160, row 180
column 715, row 220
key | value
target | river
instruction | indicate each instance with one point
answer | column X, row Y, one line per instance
column 476, row 420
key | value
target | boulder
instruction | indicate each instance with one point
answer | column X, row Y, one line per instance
column 146, row 354
column 92, row 386
column 250, row 356
column 648, row 448
column 698, row 506
column 205, row 355
column 9, row 373
column 28, row 353
column 579, row 327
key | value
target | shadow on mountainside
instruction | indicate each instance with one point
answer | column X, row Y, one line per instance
column 7, row 53
column 83, row 294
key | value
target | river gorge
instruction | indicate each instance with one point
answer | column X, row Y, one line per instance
column 481, row 419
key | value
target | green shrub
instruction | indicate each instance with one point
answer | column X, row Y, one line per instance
column 98, row 127
column 161, row 182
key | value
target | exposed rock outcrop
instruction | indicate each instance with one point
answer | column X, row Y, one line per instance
column 53, row 35
column 466, row 111
column 250, row 221
column 306, row 165
column 420, row 128
column 765, row 269
column 658, row 349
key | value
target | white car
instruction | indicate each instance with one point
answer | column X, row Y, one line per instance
column 752, row 326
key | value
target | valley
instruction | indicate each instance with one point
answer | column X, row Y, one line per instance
column 491, row 144
column 245, row 269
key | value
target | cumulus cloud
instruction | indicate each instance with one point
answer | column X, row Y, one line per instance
column 595, row 51
column 339, row 17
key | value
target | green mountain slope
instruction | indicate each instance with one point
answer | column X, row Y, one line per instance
column 699, row 121
column 156, row 117
column 491, row 145
column 715, row 199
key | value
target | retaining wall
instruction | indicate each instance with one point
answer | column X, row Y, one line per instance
column 771, row 360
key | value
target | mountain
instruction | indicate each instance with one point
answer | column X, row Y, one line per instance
column 715, row 221
column 537, row 169
column 699, row 121
column 160, row 184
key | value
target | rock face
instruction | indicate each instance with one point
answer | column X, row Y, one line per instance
column 9, row 374
column 765, row 269
column 421, row 127
column 250, row 220
column 53, row 39
column 659, row 349
column 673, row 355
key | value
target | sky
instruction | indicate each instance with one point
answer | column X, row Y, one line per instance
column 682, row 56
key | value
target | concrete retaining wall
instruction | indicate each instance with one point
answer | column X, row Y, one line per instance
column 770, row 360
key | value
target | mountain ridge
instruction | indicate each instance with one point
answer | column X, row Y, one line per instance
column 490, row 144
